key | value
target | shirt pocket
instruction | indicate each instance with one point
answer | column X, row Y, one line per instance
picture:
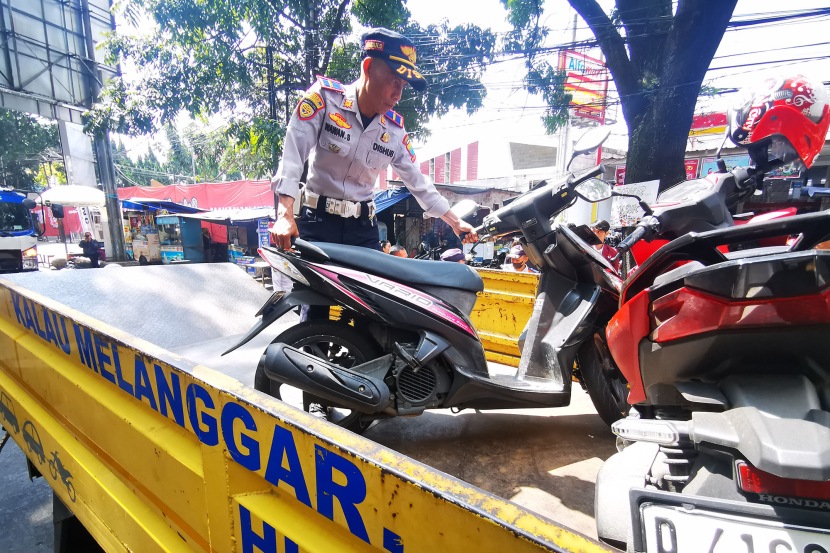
column 377, row 161
column 334, row 146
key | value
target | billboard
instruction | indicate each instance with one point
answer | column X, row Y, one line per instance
column 44, row 55
column 710, row 123
column 587, row 82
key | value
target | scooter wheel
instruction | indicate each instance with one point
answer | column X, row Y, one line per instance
column 337, row 343
column 605, row 383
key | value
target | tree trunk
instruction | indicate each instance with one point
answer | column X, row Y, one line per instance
column 657, row 139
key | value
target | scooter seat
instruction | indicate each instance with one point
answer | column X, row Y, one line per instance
column 412, row 271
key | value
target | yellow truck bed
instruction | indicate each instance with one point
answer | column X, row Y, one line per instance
column 155, row 452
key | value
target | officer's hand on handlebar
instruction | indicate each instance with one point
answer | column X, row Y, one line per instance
column 285, row 228
column 466, row 232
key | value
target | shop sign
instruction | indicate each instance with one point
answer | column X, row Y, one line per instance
column 586, row 82
column 619, row 177
column 691, row 168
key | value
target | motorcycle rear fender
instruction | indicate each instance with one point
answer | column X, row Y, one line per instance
column 276, row 307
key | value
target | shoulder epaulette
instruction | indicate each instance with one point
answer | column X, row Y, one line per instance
column 331, row 84
column 395, row 118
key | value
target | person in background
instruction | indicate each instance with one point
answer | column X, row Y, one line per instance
column 454, row 255
column 207, row 246
column 398, row 251
column 90, row 248
column 518, row 261
column 413, row 253
column 601, row 229
column 385, row 246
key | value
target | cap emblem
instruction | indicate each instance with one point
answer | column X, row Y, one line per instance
column 373, row 45
column 409, row 52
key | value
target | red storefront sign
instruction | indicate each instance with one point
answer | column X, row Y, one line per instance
column 691, row 168
column 691, row 171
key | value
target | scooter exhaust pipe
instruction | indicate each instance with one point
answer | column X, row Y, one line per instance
column 343, row 387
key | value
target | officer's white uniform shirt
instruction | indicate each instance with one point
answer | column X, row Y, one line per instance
column 344, row 158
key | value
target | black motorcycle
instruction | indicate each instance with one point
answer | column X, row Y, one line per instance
column 404, row 341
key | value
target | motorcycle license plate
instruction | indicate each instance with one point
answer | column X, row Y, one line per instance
column 677, row 530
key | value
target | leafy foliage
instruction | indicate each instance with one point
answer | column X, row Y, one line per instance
column 26, row 144
column 212, row 156
column 205, row 57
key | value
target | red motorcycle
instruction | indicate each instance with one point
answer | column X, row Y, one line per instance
column 723, row 341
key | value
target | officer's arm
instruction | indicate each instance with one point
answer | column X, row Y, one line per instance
column 418, row 184
column 423, row 189
column 299, row 140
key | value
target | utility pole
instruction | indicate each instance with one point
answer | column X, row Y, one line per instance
column 193, row 160
column 103, row 150
column 272, row 91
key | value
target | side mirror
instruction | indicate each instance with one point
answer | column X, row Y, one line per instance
column 57, row 211
column 464, row 208
column 29, row 204
column 590, row 141
column 593, row 190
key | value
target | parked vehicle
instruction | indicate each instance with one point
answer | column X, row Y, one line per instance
column 18, row 232
column 404, row 342
column 724, row 349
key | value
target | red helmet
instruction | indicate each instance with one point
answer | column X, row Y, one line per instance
column 788, row 116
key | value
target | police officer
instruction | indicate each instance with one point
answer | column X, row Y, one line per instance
column 350, row 135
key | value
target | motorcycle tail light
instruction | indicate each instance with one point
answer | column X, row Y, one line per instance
column 282, row 265
column 757, row 481
column 687, row 312
column 31, row 252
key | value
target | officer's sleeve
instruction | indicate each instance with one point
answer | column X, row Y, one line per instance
column 299, row 140
column 418, row 184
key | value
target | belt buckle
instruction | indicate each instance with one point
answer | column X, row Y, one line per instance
column 352, row 209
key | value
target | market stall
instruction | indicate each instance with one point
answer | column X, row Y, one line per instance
column 155, row 231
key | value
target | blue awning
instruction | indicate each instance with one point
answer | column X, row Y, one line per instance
column 144, row 204
column 390, row 197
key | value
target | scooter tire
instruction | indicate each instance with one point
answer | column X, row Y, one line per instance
column 364, row 348
column 606, row 385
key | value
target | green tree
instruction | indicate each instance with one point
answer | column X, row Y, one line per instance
column 658, row 57
column 218, row 56
column 25, row 144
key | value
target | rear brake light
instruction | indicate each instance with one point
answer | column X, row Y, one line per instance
column 757, row 481
column 282, row 265
column 31, row 252
column 687, row 312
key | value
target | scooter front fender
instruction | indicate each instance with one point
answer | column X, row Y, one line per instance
column 278, row 305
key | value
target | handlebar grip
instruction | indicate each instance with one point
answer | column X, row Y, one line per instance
column 631, row 239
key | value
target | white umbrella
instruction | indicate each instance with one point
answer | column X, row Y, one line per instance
column 73, row 195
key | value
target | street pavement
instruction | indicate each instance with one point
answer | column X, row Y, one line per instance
column 25, row 507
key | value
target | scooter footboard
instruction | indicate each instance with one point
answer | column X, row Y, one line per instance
column 559, row 323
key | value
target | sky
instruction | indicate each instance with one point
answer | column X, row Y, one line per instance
column 511, row 112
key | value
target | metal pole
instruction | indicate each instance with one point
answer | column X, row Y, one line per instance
column 103, row 151
column 193, row 161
